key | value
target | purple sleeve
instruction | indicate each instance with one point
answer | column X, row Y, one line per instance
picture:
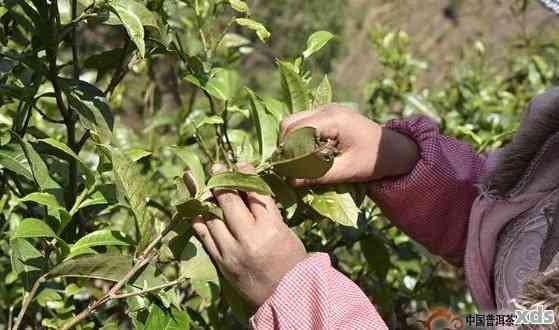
column 432, row 204
column 314, row 295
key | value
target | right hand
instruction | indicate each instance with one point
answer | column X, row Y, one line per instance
column 368, row 151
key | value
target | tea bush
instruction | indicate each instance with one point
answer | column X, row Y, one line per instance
column 94, row 212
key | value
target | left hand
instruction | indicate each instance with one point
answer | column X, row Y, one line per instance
column 252, row 246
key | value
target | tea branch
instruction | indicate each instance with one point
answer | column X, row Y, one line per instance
column 145, row 258
column 27, row 300
column 155, row 288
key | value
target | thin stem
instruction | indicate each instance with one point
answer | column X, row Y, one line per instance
column 28, row 299
column 146, row 257
column 223, row 34
column 82, row 141
column 155, row 288
column 227, row 141
column 28, row 112
column 218, row 131
column 47, row 118
column 10, row 317
column 120, row 71
column 155, row 204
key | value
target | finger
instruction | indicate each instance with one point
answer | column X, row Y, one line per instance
column 188, row 180
column 221, row 235
column 204, row 235
column 325, row 125
column 238, row 217
column 261, row 206
column 287, row 122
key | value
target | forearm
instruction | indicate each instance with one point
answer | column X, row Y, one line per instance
column 432, row 202
column 314, row 295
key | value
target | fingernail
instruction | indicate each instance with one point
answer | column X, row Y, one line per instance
column 218, row 168
column 246, row 168
column 188, row 180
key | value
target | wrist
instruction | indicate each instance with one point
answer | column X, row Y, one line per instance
column 398, row 154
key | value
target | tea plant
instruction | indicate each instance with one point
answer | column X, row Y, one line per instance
column 97, row 219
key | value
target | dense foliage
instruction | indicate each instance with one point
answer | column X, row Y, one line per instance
column 104, row 104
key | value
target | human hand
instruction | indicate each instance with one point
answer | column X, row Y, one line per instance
column 367, row 151
column 252, row 246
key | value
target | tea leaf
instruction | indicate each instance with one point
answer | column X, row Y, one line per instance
column 38, row 167
column 260, row 29
column 129, row 13
column 239, row 6
column 222, row 84
column 266, row 127
column 100, row 238
column 196, row 263
column 336, row 205
column 284, row 194
column 91, row 105
column 169, row 319
column 13, row 158
column 65, row 149
column 323, row 93
column 30, row 228
column 316, row 41
column 131, row 184
column 102, row 266
column 299, row 156
column 294, row 88
column 239, row 181
column 46, row 199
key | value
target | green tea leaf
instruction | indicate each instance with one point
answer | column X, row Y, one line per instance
column 284, row 194
column 13, row 158
column 30, row 228
column 196, row 263
column 131, row 14
column 336, row 205
column 323, row 93
column 42, row 198
column 239, row 6
column 260, row 29
column 316, row 41
column 294, row 88
column 65, row 149
column 222, row 84
column 239, row 181
column 105, row 61
column 91, row 105
column 131, row 184
column 27, row 261
column 299, row 156
column 101, row 238
column 38, row 167
column 266, row 127
column 191, row 208
column 135, row 154
column 169, row 319
column 102, row 266
column 277, row 108
column 79, row 252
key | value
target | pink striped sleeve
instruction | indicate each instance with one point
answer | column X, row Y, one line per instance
column 313, row 295
column 432, row 204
